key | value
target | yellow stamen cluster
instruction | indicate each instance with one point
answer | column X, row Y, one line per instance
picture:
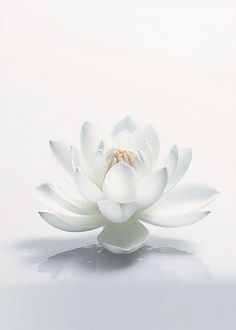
column 120, row 155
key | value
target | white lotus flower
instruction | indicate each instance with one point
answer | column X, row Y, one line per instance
column 121, row 187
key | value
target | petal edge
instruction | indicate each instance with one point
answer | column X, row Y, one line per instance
column 123, row 238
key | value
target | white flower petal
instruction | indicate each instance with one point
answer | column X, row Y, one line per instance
column 99, row 167
column 120, row 182
column 185, row 198
column 124, row 140
column 62, row 154
column 90, row 139
column 87, row 188
column 150, row 188
column 73, row 223
column 174, row 220
column 184, row 156
column 125, row 124
column 148, row 133
column 172, row 161
column 123, row 238
column 75, row 158
column 117, row 212
column 56, row 198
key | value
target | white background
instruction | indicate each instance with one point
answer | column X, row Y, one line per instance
column 169, row 63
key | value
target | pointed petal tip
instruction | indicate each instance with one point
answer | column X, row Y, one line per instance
column 125, row 124
column 165, row 172
column 215, row 194
column 52, row 143
column 85, row 124
column 41, row 213
column 101, row 146
column 202, row 215
column 84, row 127
column 43, row 185
column 164, row 169
column 128, row 118
column 175, row 221
column 38, row 189
column 174, row 147
column 78, row 169
column 72, row 223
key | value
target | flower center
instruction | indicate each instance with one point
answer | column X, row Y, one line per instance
column 116, row 156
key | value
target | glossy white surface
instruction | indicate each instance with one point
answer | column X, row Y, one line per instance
column 169, row 63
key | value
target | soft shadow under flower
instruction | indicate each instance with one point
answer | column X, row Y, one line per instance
column 165, row 259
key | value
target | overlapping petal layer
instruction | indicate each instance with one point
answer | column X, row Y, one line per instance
column 117, row 212
column 57, row 199
column 148, row 133
column 178, row 163
column 184, row 198
column 117, row 179
column 99, row 166
column 90, row 139
column 151, row 188
column 88, row 190
column 120, row 182
column 62, row 154
column 178, row 220
column 125, row 124
column 123, row 238
column 73, row 222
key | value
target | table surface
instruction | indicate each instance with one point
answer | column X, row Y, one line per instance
column 165, row 62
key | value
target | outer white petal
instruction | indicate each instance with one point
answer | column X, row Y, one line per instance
column 75, row 158
column 62, row 154
column 87, row 188
column 124, row 140
column 117, row 212
column 151, row 188
column 120, row 182
column 90, row 139
column 184, row 159
column 172, row 161
column 99, row 165
column 123, row 238
column 185, row 198
column 55, row 197
column 73, row 223
column 125, row 124
column 148, row 133
column 174, row 220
